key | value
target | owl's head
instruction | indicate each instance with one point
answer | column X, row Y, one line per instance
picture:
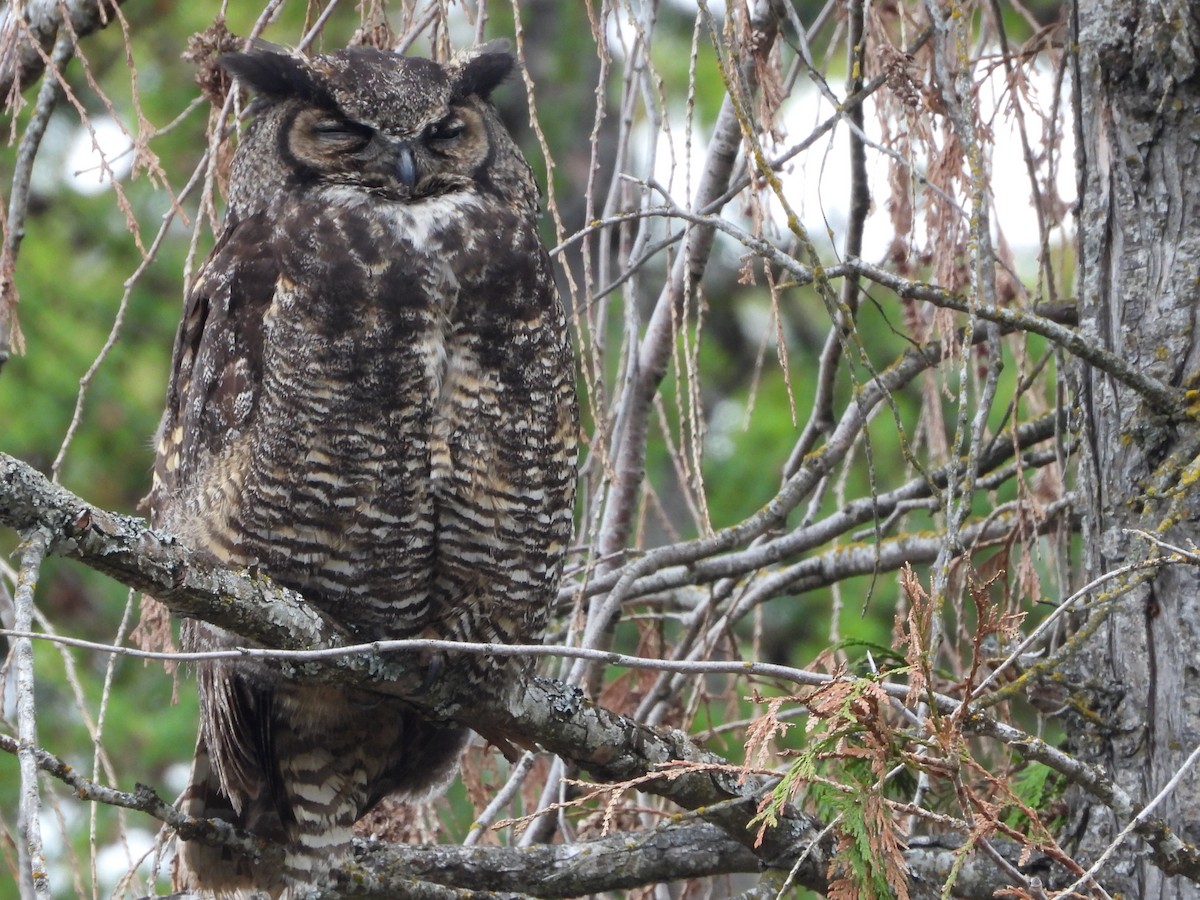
column 404, row 128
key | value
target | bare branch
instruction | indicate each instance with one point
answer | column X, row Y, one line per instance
column 687, row 564
column 1170, row 853
column 1161, row 398
column 614, row 748
column 123, row 547
column 144, row 799
column 35, row 880
column 617, row 862
column 650, row 359
column 1139, row 820
column 18, row 204
column 27, row 28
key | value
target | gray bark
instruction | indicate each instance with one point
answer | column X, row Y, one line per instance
column 26, row 27
column 1138, row 675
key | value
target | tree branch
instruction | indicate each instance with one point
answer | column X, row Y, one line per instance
column 28, row 30
column 706, row 567
column 124, row 548
column 37, row 884
column 650, row 358
column 1161, row 398
column 614, row 748
column 144, row 799
column 671, row 852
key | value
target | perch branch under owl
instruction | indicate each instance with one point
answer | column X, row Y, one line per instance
column 612, row 747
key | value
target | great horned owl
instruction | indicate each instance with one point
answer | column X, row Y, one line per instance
column 372, row 401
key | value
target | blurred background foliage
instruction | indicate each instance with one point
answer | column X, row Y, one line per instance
column 77, row 255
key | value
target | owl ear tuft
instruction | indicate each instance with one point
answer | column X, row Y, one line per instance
column 275, row 75
column 485, row 71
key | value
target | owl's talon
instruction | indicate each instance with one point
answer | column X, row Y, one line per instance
column 436, row 665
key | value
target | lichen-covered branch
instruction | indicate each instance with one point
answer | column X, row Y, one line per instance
column 612, row 747
column 616, row 862
column 144, row 799
column 126, row 549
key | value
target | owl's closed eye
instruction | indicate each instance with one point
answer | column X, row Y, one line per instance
column 401, row 151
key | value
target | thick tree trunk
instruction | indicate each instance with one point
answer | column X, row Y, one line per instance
column 1138, row 676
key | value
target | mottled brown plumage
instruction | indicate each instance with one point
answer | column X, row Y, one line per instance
column 372, row 401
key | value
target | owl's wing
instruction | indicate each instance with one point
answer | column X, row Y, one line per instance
column 212, row 397
column 217, row 360
column 504, row 456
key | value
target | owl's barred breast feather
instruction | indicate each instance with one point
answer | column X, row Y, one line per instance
column 372, row 401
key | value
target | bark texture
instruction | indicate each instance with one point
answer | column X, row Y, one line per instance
column 1138, row 675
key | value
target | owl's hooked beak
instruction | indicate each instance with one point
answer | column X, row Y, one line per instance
column 406, row 166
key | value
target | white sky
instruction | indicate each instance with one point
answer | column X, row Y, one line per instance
column 81, row 164
column 816, row 183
